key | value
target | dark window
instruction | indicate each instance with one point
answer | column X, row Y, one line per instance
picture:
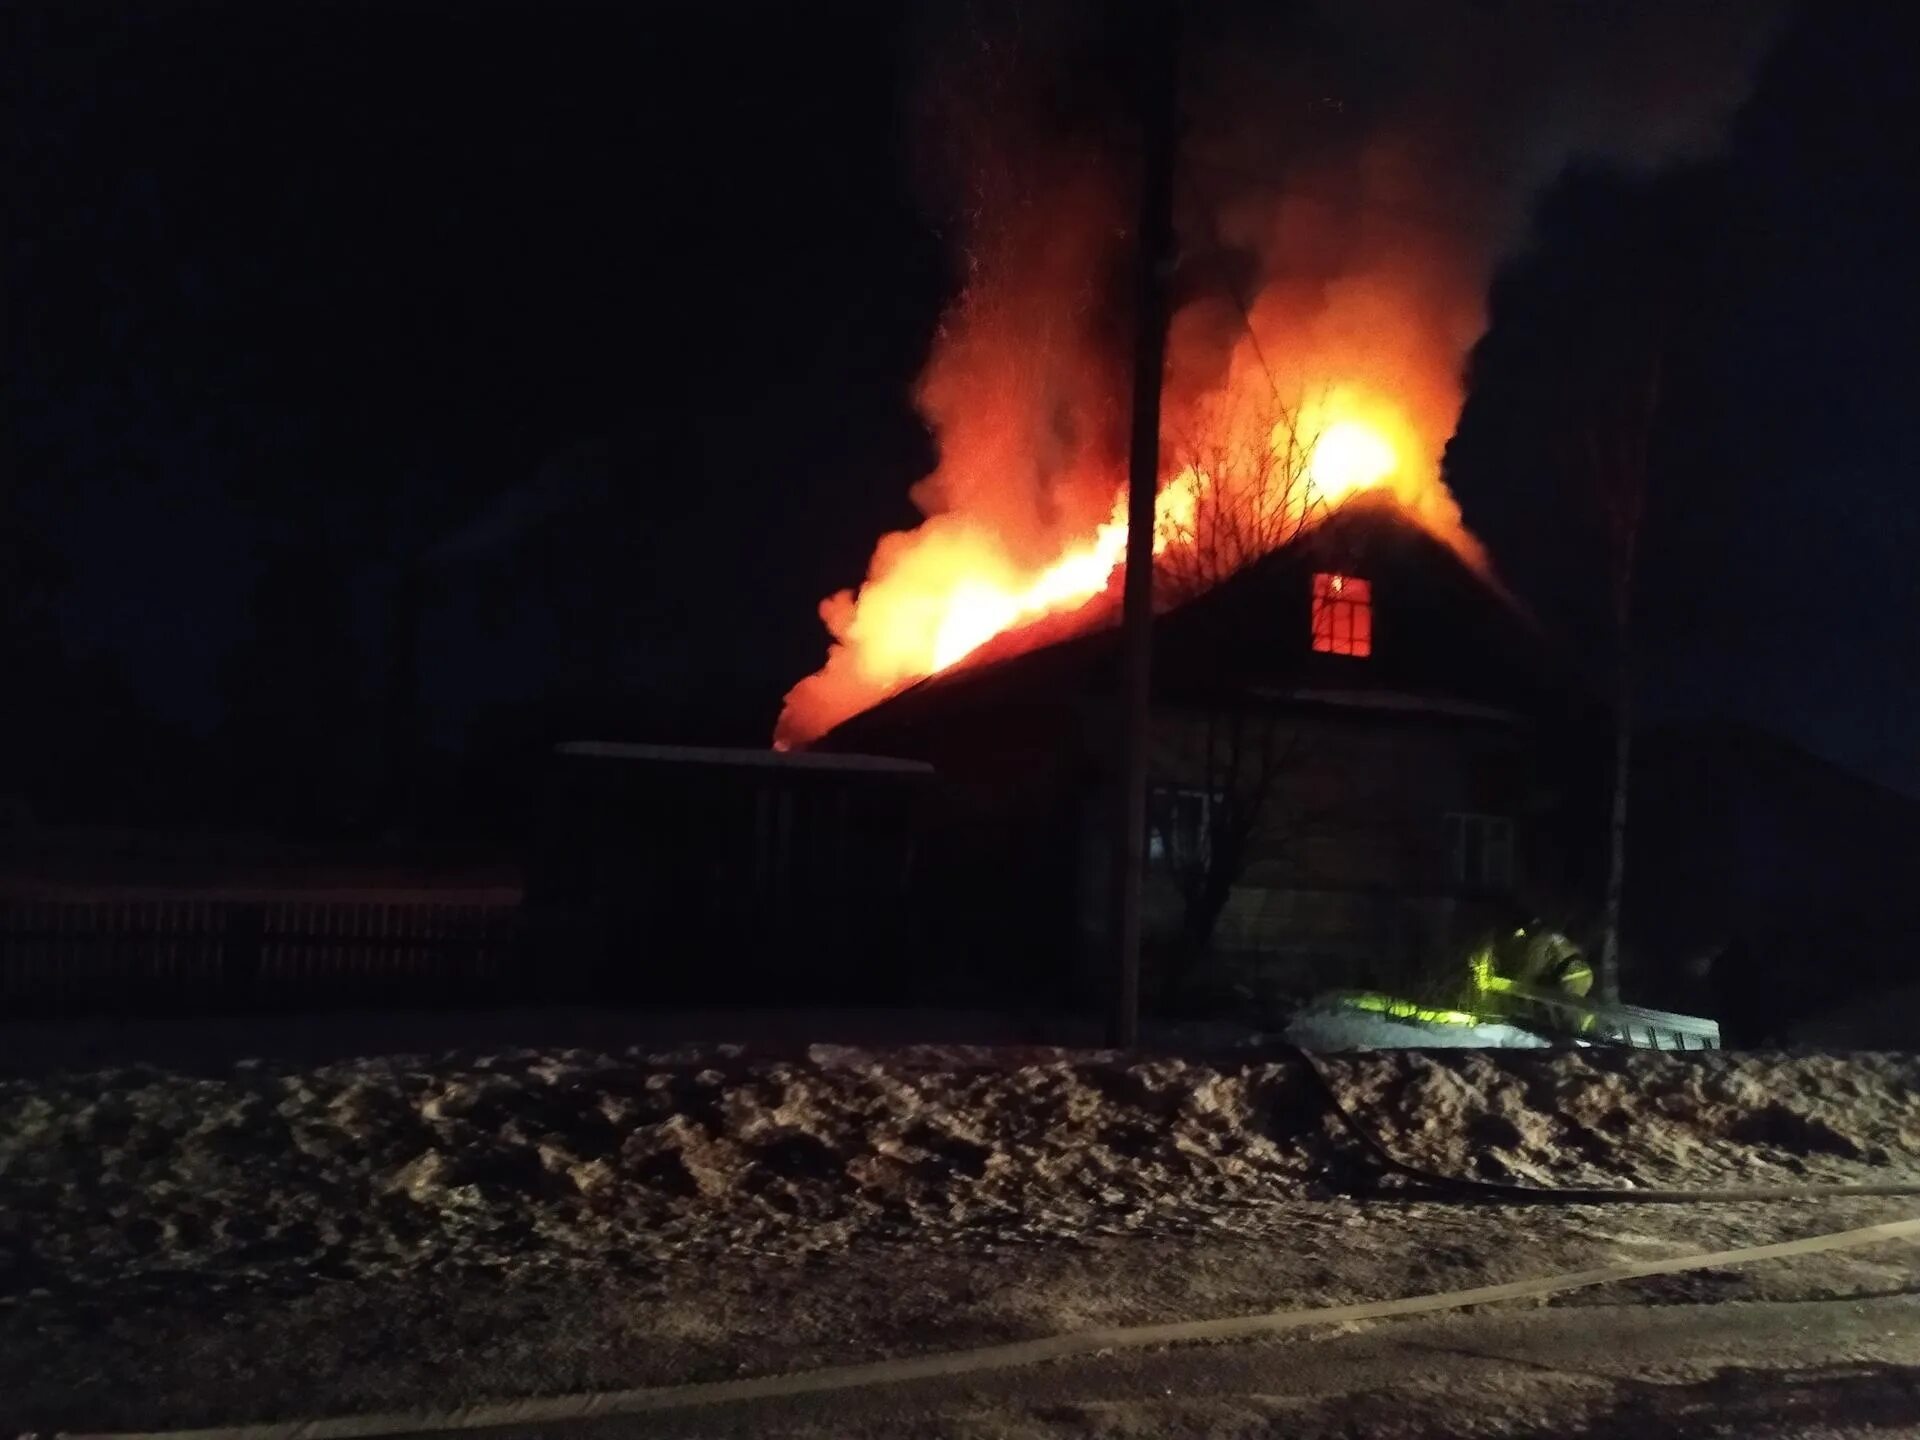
column 1342, row 615
column 1480, row 851
column 1176, row 824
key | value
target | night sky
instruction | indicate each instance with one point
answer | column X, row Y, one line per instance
column 600, row 323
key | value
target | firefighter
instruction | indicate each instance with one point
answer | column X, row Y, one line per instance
column 1541, row 958
column 1529, row 966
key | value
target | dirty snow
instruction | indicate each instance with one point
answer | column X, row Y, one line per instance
column 527, row 1158
column 275, row 1240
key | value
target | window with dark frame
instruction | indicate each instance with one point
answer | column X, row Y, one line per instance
column 1480, row 851
column 1177, row 818
column 1342, row 615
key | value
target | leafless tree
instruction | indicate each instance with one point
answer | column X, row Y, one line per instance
column 1230, row 745
column 1241, row 493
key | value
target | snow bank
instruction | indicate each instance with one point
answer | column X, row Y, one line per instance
column 525, row 1158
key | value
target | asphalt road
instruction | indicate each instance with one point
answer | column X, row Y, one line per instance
column 1805, row 1368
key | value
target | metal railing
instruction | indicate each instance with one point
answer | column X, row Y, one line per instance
column 1631, row 1025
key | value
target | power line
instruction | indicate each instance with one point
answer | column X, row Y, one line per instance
column 1243, row 305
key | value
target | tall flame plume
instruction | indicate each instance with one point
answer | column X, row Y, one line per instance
column 1363, row 402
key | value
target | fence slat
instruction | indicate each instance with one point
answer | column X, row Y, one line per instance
column 176, row 953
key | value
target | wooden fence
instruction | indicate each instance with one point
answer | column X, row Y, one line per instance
column 171, row 952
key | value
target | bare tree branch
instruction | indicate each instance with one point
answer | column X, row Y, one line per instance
column 1250, row 495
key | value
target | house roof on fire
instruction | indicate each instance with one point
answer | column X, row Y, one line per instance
column 1445, row 638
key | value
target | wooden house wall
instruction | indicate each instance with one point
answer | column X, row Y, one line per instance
column 1349, row 878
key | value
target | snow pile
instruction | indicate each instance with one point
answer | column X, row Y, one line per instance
column 1607, row 1116
column 527, row 1158
column 1331, row 1025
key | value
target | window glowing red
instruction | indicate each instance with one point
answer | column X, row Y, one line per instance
column 1342, row 615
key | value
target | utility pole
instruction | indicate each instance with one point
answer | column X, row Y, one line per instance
column 1159, row 77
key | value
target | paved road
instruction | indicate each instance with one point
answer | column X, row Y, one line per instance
column 1810, row 1368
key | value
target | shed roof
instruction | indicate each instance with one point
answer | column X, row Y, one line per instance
column 741, row 757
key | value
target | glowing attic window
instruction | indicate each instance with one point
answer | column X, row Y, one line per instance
column 1342, row 615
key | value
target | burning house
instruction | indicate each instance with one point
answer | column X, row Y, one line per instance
column 1357, row 745
column 1355, row 729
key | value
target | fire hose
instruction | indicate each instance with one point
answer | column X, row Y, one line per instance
column 559, row 1409
column 554, row 1410
column 1498, row 1190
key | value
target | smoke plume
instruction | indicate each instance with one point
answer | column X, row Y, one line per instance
column 1350, row 172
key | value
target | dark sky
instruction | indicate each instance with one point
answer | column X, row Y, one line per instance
column 490, row 288
column 1777, row 582
column 350, row 272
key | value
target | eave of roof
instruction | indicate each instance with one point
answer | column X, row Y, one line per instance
column 752, row 759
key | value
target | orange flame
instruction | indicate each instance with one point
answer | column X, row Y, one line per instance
column 1371, row 362
column 1349, row 456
